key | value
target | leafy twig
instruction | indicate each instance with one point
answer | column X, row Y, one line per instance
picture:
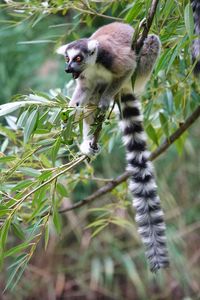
column 16, row 205
column 100, row 117
column 123, row 177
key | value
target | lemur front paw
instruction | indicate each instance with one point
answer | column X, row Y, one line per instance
column 151, row 45
column 88, row 150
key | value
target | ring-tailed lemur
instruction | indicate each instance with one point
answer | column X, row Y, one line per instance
column 196, row 43
column 102, row 66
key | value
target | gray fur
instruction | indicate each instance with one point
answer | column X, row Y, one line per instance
column 79, row 44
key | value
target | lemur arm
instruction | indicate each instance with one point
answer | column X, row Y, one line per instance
column 80, row 96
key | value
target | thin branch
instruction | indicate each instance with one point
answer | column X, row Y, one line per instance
column 172, row 138
column 17, row 204
column 100, row 117
column 147, row 25
column 95, row 13
column 123, row 177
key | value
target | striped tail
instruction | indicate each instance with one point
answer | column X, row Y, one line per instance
column 196, row 42
column 149, row 215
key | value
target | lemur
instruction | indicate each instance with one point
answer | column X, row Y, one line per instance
column 102, row 66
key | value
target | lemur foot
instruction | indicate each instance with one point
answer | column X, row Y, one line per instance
column 104, row 104
column 88, row 150
column 149, row 52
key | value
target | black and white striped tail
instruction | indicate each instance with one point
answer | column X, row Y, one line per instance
column 196, row 42
column 149, row 215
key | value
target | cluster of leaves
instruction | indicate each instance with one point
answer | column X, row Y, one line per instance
column 39, row 163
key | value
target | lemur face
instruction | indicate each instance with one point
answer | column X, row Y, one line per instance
column 79, row 55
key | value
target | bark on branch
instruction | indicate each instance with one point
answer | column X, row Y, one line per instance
column 123, row 177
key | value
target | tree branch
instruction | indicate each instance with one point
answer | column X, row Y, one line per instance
column 123, row 177
column 100, row 117
column 146, row 25
column 172, row 138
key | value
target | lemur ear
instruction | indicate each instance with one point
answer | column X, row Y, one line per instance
column 61, row 49
column 92, row 46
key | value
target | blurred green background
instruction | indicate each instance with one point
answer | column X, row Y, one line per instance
column 111, row 265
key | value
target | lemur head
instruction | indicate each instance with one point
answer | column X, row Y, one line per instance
column 79, row 55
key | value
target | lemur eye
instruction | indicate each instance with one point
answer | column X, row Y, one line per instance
column 78, row 58
column 67, row 58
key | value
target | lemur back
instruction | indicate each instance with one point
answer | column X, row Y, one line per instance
column 115, row 40
column 103, row 66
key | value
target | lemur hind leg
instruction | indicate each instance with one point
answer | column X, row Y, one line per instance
column 86, row 146
column 148, row 55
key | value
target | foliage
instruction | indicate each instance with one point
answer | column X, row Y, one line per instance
column 43, row 172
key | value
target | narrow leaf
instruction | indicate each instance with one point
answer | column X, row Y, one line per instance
column 30, row 125
column 189, row 20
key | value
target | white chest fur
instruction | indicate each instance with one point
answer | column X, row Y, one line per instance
column 98, row 73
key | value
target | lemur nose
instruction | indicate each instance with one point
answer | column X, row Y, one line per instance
column 68, row 68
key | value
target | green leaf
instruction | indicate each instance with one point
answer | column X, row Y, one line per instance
column 8, row 108
column 4, row 212
column 99, row 229
column 30, row 171
column 174, row 52
column 16, row 249
column 152, row 134
column 22, row 185
column 169, row 103
column 96, row 270
column 55, row 149
column 163, row 61
column 18, row 260
column 168, row 6
column 37, row 99
column 62, row 190
column 45, row 175
column 133, row 12
column 67, row 132
column 21, row 122
column 5, row 159
column 46, row 236
column 55, row 116
column 189, row 20
column 16, row 271
column 4, row 233
column 109, row 269
column 134, row 275
column 57, row 221
column 18, row 231
column 30, row 125
column 180, row 143
column 164, row 124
